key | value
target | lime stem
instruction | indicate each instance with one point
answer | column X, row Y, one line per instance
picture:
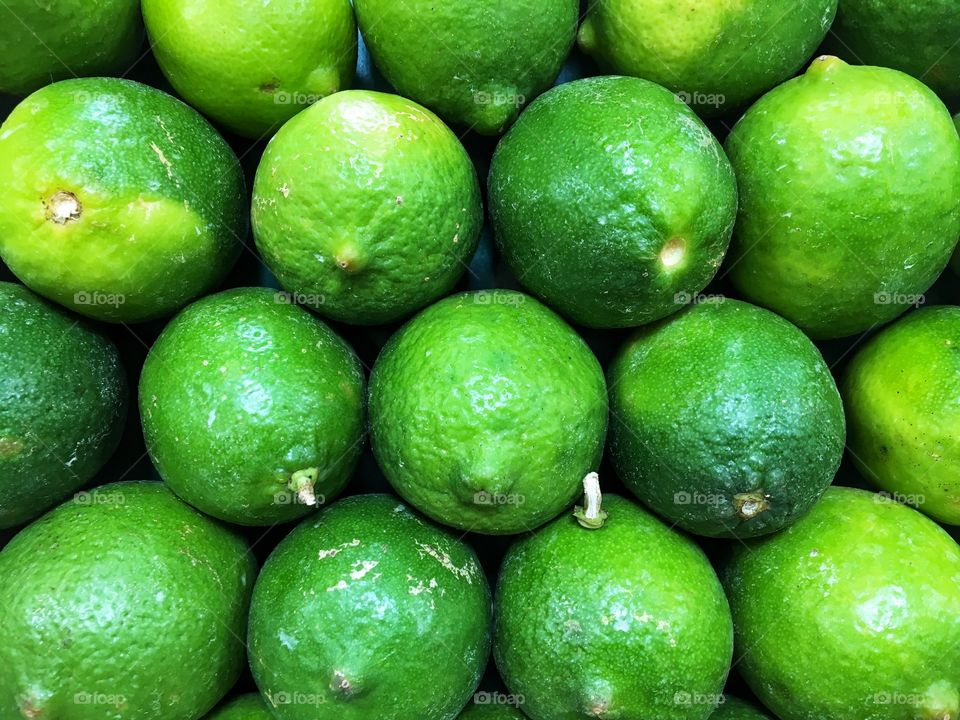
column 591, row 516
column 302, row 482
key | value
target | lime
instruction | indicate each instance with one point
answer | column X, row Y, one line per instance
column 612, row 201
column 491, row 712
column 252, row 408
column 474, row 63
column 366, row 207
column 244, row 707
column 63, row 397
column 366, row 611
column 43, row 41
column 901, row 393
column 715, row 55
column 849, row 197
column 626, row 621
column 122, row 203
column 918, row 38
column 486, row 411
column 253, row 66
column 853, row 612
column 123, row 603
column 735, row 709
column 726, row 420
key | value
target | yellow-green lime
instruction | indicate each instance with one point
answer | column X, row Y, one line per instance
column 714, row 54
column 366, row 207
column 474, row 63
column 251, row 66
column 121, row 202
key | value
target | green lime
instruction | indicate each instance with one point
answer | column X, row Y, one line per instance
column 486, row 412
column 624, row 620
column 244, row 707
column 918, row 38
column 715, row 55
column 122, row 203
column 122, row 604
column 612, row 201
column 901, row 393
column 853, row 612
column 251, row 66
column 735, row 709
column 252, row 408
column 474, row 63
column 43, row 41
column 367, row 611
column 366, row 207
column 849, row 197
column 496, row 711
column 726, row 420
column 63, row 397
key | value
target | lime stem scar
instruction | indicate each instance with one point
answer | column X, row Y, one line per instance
column 64, row 207
column 591, row 516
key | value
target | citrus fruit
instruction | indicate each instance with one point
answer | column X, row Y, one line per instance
column 853, row 612
column 626, row 621
column 473, row 63
column 63, row 397
column 253, row 66
column 715, row 55
column 612, row 201
column 735, row 709
column 491, row 712
column 367, row 206
column 244, row 707
column 901, row 393
column 252, row 408
column 849, row 197
column 367, row 611
column 918, row 38
column 122, row 603
column 726, row 420
column 45, row 41
column 486, row 411
column 122, row 203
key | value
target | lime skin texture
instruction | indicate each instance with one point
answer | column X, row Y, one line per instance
column 715, row 55
column 852, row 612
column 41, row 42
column 368, row 206
column 122, row 203
column 366, row 611
column 611, row 201
column 244, row 707
column 486, row 412
column 123, row 603
column 474, row 63
column 63, row 402
column 849, row 197
column 251, row 66
column 626, row 621
column 735, row 709
column 918, row 38
column 725, row 419
column 252, row 408
column 901, row 392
